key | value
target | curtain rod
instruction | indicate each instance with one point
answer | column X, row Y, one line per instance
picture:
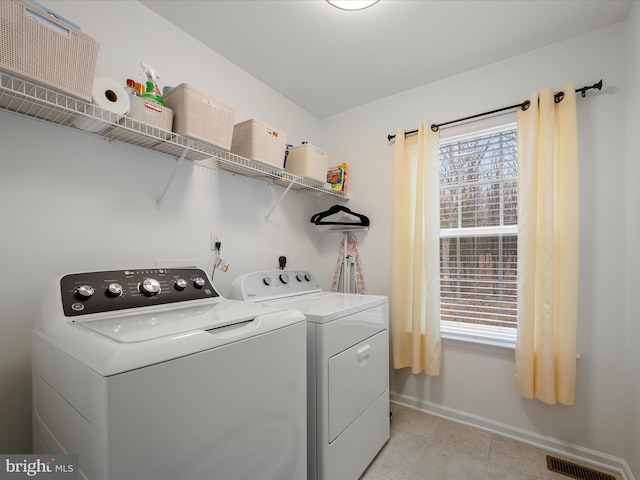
column 558, row 97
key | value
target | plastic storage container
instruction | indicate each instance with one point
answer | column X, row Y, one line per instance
column 37, row 45
column 255, row 140
column 150, row 112
column 308, row 161
column 200, row 116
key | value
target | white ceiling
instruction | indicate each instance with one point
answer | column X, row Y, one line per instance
column 328, row 60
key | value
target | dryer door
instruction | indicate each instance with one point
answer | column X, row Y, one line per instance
column 357, row 377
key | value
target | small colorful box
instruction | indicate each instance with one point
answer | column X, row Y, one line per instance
column 337, row 177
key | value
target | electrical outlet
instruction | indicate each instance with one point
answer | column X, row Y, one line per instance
column 277, row 260
column 215, row 238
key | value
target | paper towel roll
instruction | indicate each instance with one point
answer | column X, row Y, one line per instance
column 113, row 101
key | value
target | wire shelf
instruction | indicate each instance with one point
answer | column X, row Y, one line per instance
column 29, row 99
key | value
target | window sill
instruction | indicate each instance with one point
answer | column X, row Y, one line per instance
column 483, row 337
column 479, row 334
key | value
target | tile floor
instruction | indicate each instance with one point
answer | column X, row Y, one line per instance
column 425, row 447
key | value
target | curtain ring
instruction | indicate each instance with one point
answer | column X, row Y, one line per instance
column 525, row 106
column 558, row 97
column 434, row 127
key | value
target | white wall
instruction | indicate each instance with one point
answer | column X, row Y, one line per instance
column 72, row 202
column 476, row 383
column 632, row 239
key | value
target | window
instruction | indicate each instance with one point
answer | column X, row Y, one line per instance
column 478, row 235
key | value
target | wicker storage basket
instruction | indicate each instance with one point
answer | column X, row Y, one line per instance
column 37, row 46
column 200, row 116
column 254, row 140
column 308, row 161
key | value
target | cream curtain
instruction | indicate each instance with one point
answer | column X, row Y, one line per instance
column 547, row 248
column 415, row 253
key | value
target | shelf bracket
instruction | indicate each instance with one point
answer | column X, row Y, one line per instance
column 173, row 174
column 278, row 201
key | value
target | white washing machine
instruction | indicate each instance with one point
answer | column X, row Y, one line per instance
column 150, row 374
column 348, row 368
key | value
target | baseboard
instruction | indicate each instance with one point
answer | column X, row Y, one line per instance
column 555, row 446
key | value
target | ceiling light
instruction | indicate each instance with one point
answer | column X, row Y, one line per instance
column 352, row 4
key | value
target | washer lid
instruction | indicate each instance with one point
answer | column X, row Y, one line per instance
column 141, row 327
column 162, row 334
column 323, row 307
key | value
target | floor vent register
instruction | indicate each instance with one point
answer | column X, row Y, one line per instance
column 575, row 471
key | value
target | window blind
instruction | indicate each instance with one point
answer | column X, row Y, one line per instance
column 479, row 226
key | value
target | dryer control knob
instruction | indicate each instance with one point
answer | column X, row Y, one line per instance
column 284, row 278
column 150, row 287
column 181, row 284
column 299, row 277
column 114, row 290
column 307, row 277
column 84, row 292
column 199, row 282
column 266, row 281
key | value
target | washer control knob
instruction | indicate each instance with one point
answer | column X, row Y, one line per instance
column 266, row 281
column 181, row 284
column 114, row 290
column 199, row 282
column 299, row 277
column 307, row 277
column 84, row 292
column 284, row 278
column 150, row 287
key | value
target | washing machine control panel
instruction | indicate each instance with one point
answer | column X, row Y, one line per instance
column 95, row 292
column 274, row 284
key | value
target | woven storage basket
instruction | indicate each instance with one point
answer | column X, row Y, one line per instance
column 200, row 116
column 308, row 161
column 254, row 140
column 37, row 46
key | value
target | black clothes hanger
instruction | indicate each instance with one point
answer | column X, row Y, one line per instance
column 317, row 218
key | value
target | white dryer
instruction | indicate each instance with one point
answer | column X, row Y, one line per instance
column 150, row 374
column 348, row 368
